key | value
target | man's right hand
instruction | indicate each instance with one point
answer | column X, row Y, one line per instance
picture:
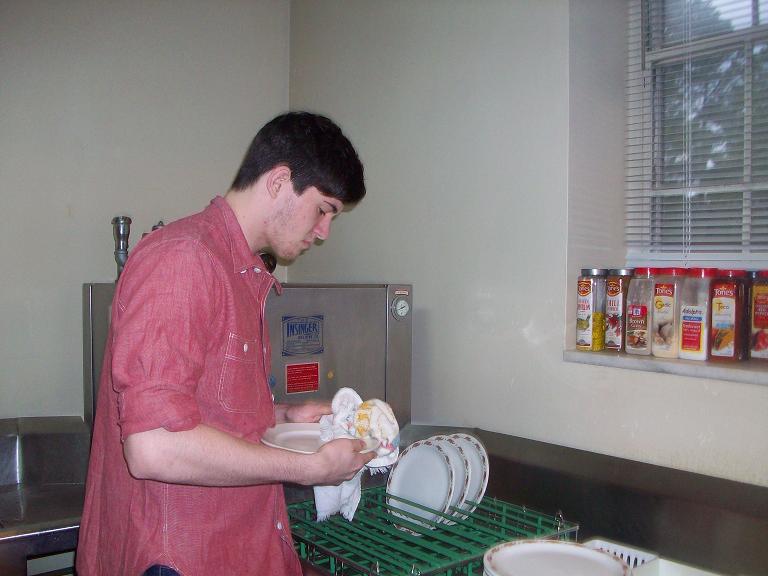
column 338, row 460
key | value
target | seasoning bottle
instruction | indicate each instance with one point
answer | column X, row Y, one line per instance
column 727, row 315
column 666, row 312
column 590, row 313
column 694, row 313
column 639, row 311
column 758, row 305
column 746, row 341
column 617, row 286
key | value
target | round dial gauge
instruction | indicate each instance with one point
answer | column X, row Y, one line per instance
column 400, row 308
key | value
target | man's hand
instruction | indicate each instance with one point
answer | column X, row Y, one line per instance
column 308, row 412
column 339, row 460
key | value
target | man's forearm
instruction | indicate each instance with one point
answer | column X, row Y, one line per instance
column 205, row 456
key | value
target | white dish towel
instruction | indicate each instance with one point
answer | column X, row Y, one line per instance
column 353, row 418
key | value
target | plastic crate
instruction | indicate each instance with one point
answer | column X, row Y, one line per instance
column 633, row 557
column 379, row 543
column 662, row 567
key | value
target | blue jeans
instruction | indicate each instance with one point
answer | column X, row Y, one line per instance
column 158, row 570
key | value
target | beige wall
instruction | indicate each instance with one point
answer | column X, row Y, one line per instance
column 485, row 127
column 142, row 108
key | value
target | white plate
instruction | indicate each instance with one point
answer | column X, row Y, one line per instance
column 550, row 558
column 422, row 474
column 477, row 457
column 461, row 472
column 303, row 438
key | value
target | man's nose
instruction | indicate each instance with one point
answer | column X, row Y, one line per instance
column 323, row 228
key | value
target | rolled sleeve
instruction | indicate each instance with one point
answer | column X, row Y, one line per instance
column 167, row 303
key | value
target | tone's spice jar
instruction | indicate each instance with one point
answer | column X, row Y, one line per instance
column 617, row 285
column 640, row 311
column 727, row 315
column 590, row 310
column 758, row 333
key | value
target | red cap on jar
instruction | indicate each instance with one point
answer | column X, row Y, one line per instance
column 762, row 273
column 731, row 273
column 702, row 272
column 673, row 271
column 646, row 272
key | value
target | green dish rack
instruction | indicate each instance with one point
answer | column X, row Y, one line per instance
column 378, row 542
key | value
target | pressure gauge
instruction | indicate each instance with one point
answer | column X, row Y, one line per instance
column 400, row 308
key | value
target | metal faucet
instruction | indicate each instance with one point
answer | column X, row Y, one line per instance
column 121, row 229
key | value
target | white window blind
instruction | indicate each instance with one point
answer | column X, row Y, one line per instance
column 697, row 133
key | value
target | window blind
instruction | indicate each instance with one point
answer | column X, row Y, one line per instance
column 697, row 133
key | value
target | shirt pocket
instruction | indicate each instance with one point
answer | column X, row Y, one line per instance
column 243, row 385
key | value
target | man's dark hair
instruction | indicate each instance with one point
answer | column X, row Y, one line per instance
column 313, row 148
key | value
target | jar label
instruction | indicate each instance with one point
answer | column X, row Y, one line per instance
column 664, row 333
column 723, row 321
column 585, row 287
column 614, row 319
column 584, row 313
column 637, row 326
column 759, row 336
column 760, row 306
column 692, row 328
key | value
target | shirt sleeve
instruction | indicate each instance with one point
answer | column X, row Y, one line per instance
column 167, row 305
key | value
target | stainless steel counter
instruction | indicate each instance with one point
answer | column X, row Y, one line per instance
column 37, row 521
column 43, row 463
column 716, row 524
column 709, row 522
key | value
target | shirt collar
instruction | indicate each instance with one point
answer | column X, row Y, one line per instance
column 242, row 257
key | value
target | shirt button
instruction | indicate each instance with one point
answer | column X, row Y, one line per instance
column 245, row 347
column 256, row 269
column 279, row 525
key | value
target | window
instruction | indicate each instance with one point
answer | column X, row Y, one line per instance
column 697, row 133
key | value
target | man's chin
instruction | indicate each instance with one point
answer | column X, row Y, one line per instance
column 288, row 259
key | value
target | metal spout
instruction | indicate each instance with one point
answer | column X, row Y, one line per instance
column 121, row 229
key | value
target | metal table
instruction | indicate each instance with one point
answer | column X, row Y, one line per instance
column 37, row 521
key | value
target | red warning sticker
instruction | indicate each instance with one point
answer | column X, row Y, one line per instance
column 302, row 377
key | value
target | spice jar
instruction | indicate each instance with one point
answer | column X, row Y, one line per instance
column 666, row 312
column 758, row 317
column 694, row 313
column 727, row 315
column 617, row 286
column 639, row 311
column 590, row 312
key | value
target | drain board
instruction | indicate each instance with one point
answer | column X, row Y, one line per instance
column 385, row 539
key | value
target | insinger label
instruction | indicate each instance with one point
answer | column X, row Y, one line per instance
column 302, row 335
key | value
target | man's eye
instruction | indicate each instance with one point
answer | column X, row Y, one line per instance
column 322, row 212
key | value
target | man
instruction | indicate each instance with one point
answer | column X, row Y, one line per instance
column 178, row 482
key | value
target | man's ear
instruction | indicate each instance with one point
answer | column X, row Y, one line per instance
column 278, row 177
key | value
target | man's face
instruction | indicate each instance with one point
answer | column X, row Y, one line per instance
column 300, row 220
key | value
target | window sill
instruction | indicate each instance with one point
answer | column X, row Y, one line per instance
column 749, row 372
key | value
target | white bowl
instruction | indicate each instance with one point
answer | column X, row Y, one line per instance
column 550, row 558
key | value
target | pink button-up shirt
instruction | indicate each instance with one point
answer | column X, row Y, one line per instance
column 188, row 344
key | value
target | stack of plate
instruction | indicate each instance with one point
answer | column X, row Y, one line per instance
column 550, row 558
column 444, row 476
